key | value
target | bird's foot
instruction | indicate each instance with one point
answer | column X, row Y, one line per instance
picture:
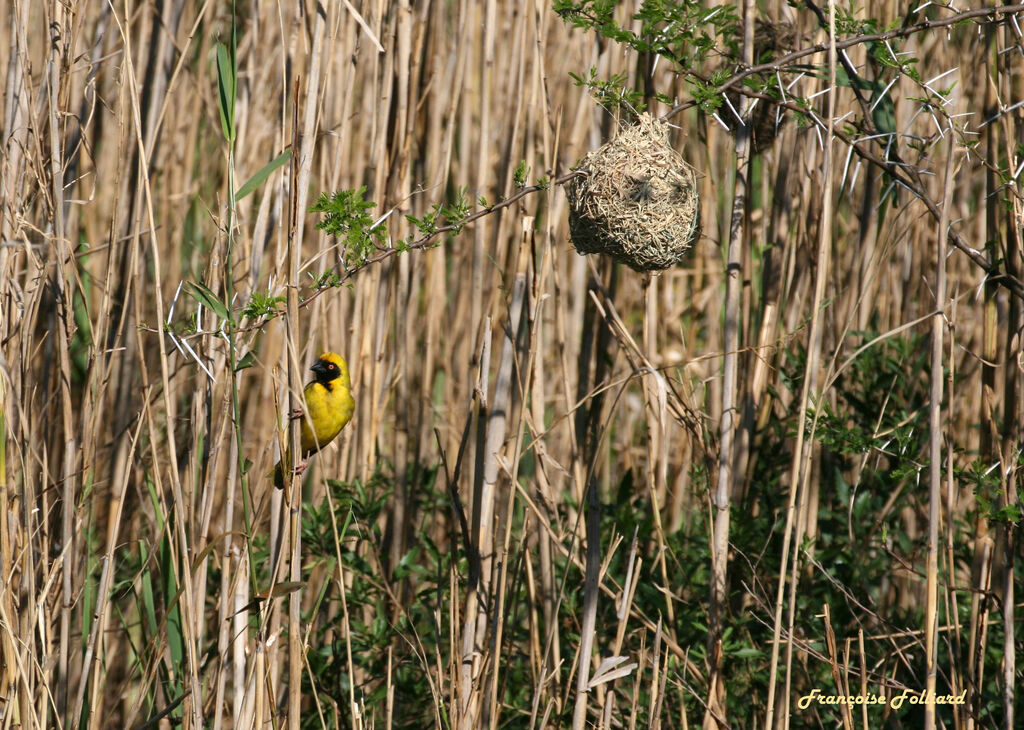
column 296, row 414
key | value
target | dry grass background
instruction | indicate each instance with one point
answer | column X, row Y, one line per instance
column 127, row 581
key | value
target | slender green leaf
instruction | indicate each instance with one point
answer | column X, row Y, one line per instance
column 884, row 114
column 246, row 362
column 147, row 596
column 207, row 298
column 226, row 80
column 256, row 180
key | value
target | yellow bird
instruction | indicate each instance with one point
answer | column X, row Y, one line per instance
column 329, row 408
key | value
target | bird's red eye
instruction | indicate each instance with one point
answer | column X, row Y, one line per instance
column 331, row 366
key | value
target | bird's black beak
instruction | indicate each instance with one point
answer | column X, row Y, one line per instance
column 320, row 367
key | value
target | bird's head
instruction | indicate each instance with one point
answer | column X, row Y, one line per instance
column 329, row 367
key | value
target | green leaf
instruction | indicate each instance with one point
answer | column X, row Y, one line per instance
column 207, row 298
column 246, row 362
column 282, row 589
column 747, row 653
column 226, row 85
column 520, row 174
column 256, row 180
column 884, row 114
column 843, row 79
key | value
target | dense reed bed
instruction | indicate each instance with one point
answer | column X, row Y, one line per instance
column 572, row 495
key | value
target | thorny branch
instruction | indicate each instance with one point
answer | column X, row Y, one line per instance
column 780, row 63
column 901, row 172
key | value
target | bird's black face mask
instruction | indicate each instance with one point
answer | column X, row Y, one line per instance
column 326, row 371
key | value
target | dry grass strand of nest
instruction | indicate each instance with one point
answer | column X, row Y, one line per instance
column 635, row 199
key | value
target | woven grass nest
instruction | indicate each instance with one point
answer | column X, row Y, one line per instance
column 635, row 199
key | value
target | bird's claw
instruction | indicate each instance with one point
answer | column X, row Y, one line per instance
column 296, row 414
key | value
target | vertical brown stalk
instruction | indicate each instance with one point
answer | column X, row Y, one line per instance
column 591, row 428
column 483, row 160
column 1013, row 429
column 398, row 191
column 804, row 448
column 723, row 489
column 469, row 697
column 20, row 503
column 518, row 351
column 171, row 481
column 293, row 487
column 590, row 596
column 931, row 623
column 657, row 445
column 981, row 573
column 551, row 652
column 307, row 144
column 63, row 283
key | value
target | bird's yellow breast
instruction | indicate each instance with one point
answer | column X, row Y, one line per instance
column 328, row 409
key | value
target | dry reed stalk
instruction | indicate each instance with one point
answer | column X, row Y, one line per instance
column 304, row 148
column 593, row 428
column 590, row 596
column 504, row 403
column 469, row 666
column 625, row 602
column 955, row 646
column 983, row 543
column 725, row 479
column 656, row 411
column 801, row 460
column 935, row 428
column 842, row 688
column 1012, row 399
column 547, row 494
column 190, row 612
